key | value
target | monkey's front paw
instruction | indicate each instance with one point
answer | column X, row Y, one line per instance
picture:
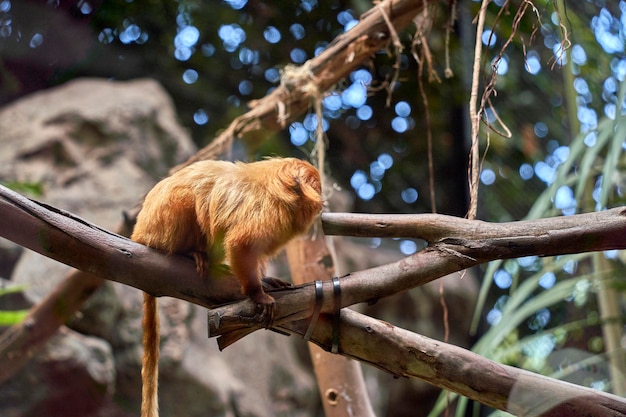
column 266, row 308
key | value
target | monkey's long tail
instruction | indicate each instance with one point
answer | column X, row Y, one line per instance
column 150, row 363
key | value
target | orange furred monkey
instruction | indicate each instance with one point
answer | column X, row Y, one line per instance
column 217, row 210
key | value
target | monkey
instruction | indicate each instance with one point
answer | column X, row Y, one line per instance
column 218, row 211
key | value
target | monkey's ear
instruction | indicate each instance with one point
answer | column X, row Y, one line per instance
column 307, row 182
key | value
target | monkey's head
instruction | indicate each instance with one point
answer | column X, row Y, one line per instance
column 304, row 181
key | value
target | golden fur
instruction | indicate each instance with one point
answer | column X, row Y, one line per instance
column 221, row 211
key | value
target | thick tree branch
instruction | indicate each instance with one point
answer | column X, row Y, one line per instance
column 75, row 242
column 487, row 241
column 455, row 244
column 407, row 354
column 66, row 238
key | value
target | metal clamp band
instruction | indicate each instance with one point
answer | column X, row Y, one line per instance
column 319, row 298
column 337, row 315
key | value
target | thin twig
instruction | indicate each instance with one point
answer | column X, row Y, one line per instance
column 475, row 115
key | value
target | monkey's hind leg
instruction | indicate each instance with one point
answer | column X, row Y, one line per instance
column 244, row 263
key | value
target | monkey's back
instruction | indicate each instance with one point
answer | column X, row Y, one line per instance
column 168, row 220
column 261, row 204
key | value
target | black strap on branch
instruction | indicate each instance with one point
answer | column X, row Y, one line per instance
column 319, row 298
column 337, row 315
column 319, row 301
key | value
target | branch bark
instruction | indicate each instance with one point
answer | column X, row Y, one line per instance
column 62, row 236
column 97, row 254
column 66, row 238
column 339, row 379
column 406, row 354
column 455, row 244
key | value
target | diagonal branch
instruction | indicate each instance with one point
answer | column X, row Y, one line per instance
column 406, row 354
column 66, row 238
column 62, row 236
column 550, row 236
column 455, row 244
column 299, row 88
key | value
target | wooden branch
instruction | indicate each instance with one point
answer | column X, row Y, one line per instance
column 343, row 55
column 21, row 341
column 482, row 240
column 70, row 240
column 61, row 236
column 406, row 354
column 455, row 244
column 339, row 379
column 75, row 242
column 66, row 238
